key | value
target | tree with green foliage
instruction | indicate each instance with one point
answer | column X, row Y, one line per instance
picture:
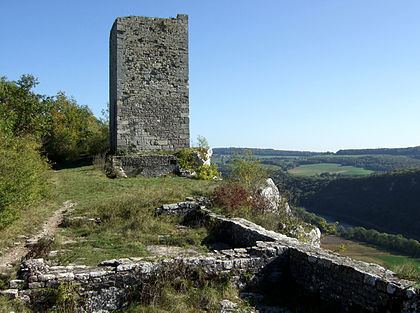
column 73, row 131
column 22, row 111
column 33, row 126
column 65, row 129
column 248, row 171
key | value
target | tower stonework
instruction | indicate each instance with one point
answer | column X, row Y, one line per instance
column 149, row 104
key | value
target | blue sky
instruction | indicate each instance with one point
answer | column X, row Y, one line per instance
column 297, row 74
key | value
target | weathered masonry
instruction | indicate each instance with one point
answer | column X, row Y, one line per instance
column 149, row 107
column 262, row 263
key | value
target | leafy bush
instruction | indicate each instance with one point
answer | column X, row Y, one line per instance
column 207, row 172
column 188, row 160
column 23, row 175
column 231, row 196
column 248, row 171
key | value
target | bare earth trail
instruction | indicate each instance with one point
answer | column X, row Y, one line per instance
column 16, row 253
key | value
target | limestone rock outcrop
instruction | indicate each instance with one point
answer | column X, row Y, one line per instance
column 203, row 158
column 274, row 202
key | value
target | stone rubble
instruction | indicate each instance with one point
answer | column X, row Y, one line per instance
column 182, row 208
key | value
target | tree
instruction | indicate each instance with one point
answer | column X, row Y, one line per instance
column 248, row 171
column 24, row 112
column 74, row 131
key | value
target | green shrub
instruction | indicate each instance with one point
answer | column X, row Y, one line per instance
column 207, row 172
column 187, row 159
column 248, row 171
column 23, row 175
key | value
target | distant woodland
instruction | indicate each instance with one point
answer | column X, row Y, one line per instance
column 387, row 202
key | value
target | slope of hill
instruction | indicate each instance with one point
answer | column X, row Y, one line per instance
column 377, row 160
column 263, row 152
column 410, row 151
column 387, row 202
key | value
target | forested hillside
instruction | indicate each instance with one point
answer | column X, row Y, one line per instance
column 411, row 151
column 261, row 152
column 377, row 163
column 387, row 202
column 378, row 160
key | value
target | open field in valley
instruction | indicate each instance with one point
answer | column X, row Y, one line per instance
column 330, row 168
column 365, row 252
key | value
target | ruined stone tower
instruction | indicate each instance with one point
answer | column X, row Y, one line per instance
column 149, row 107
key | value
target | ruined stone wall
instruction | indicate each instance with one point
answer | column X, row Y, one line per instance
column 149, row 83
column 146, row 165
column 349, row 285
column 280, row 265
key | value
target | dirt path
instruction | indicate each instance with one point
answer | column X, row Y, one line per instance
column 16, row 253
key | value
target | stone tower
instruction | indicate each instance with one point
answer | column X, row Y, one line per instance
column 149, row 108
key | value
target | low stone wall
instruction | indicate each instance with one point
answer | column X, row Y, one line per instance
column 280, row 266
column 350, row 286
column 113, row 283
column 144, row 165
column 237, row 232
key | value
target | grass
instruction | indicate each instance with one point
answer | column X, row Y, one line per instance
column 330, row 168
column 125, row 207
column 29, row 221
column 183, row 296
column 404, row 266
column 8, row 306
column 126, row 210
column 128, row 225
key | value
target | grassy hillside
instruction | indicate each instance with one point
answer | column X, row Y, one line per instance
column 126, row 210
column 262, row 152
column 369, row 159
column 124, row 206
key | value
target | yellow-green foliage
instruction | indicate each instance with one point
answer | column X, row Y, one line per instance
column 410, row 271
column 23, row 175
column 7, row 306
column 73, row 131
column 248, row 171
column 207, row 172
column 66, row 129
column 188, row 160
